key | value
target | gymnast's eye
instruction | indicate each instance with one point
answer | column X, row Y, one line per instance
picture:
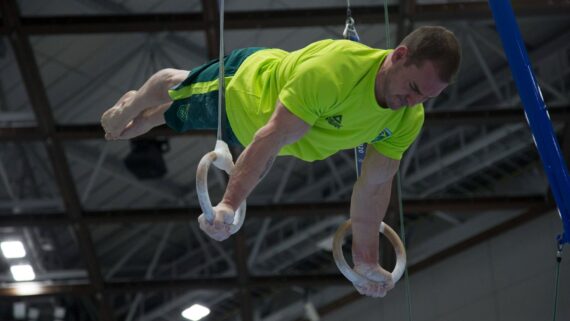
column 415, row 88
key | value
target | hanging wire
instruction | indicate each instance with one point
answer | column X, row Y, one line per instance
column 557, row 279
column 221, row 80
column 359, row 152
column 399, row 186
column 403, row 236
column 349, row 20
column 351, row 34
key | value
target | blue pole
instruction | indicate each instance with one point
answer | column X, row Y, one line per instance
column 535, row 110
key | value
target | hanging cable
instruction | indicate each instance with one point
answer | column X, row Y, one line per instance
column 403, row 236
column 351, row 34
column 359, row 154
column 360, row 151
column 220, row 156
column 557, row 279
column 399, row 187
column 221, row 72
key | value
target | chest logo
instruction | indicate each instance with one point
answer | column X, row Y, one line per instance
column 384, row 134
column 335, row 121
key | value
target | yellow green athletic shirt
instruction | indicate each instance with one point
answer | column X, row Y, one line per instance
column 329, row 85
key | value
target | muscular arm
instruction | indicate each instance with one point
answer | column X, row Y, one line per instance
column 370, row 198
column 283, row 128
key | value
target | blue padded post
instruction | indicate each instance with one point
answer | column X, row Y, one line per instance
column 535, row 110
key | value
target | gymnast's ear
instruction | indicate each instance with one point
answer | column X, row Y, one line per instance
column 399, row 54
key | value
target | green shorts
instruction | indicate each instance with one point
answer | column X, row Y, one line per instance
column 195, row 100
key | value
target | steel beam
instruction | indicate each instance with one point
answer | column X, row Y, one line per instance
column 478, row 116
column 314, row 17
column 316, row 280
column 272, row 211
column 459, row 154
column 40, row 104
column 195, row 21
column 29, row 290
column 480, row 10
column 178, row 284
column 94, row 131
column 226, row 283
column 488, row 116
column 82, row 132
column 499, row 156
column 484, row 67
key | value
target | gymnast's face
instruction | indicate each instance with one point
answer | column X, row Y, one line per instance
column 399, row 85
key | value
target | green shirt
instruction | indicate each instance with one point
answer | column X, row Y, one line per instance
column 329, row 85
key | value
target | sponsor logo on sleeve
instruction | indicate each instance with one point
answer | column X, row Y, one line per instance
column 384, row 134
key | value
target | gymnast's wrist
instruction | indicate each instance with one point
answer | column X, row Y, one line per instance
column 227, row 203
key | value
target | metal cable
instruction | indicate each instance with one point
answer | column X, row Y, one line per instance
column 350, row 33
column 557, row 280
column 403, row 236
column 399, row 187
column 221, row 80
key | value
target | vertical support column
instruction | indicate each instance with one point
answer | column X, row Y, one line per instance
column 36, row 90
column 210, row 14
column 406, row 10
column 535, row 109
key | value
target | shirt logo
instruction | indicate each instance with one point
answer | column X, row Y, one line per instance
column 384, row 134
column 182, row 112
column 335, row 121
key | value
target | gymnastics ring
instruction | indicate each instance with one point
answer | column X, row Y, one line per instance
column 348, row 272
column 222, row 159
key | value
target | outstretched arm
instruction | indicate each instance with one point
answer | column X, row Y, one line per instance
column 370, row 199
column 283, row 128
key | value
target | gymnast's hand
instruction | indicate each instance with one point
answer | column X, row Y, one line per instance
column 219, row 230
column 380, row 281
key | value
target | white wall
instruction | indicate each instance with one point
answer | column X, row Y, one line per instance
column 509, row 277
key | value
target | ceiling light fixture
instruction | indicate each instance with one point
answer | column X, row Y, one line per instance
column 23, row 272
column 13, row 249
column 195, row 312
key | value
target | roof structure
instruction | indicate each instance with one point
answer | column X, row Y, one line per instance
column 106, row 245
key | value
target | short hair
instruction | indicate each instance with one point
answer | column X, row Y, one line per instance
column 435, row 44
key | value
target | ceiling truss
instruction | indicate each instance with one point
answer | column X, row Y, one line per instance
column 18, row 29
